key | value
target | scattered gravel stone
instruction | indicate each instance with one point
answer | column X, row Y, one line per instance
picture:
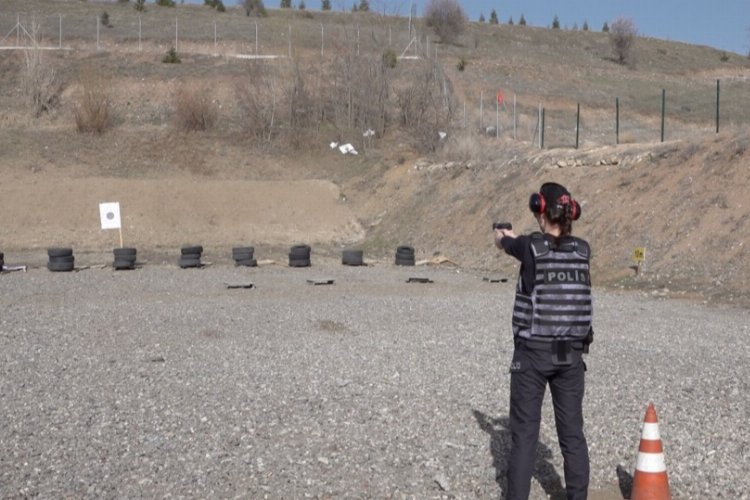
column 370, row 387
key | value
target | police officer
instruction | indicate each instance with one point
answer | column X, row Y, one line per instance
column 551, row 329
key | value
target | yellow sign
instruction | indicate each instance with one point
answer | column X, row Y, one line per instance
column 639, row 254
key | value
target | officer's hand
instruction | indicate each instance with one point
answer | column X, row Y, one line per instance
column 501, row 233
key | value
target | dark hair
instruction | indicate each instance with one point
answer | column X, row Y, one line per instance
column 558, row 207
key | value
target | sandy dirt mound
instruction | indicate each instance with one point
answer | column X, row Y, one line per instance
column 42, row 210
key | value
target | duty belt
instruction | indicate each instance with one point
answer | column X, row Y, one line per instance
column 559, row 349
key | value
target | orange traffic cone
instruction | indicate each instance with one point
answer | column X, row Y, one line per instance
column 650, row 480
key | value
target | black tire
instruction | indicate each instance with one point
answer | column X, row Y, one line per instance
column 2, row 256
column 124, row 264
column 298, row 262
column 242, row 256
column 66, row 259
column 60, row 266
column 352, row 257
column 300, row 252
column 125, row 260
column 243, row 253
column 125, row 252
column 247, row 262
column 403, row 261
column 404, row 250
column 59, row 252
column 192, row 250
column 189, row 262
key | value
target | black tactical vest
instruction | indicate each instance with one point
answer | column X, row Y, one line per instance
column 560, row 304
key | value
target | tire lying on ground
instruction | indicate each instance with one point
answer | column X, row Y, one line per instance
column 192, row 250
column 124, row 258
column 61, row 259
column 243, row 256
column 299, row 256
column 59, row 252
column 190, row 256
column 352, row 257
column 2, row 260
column 405, row 256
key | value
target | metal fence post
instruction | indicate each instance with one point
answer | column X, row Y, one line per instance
column 541, row 132
column 663, row 109
column 578, row 122
column 717, row 105
column 617, row 120
column 481, row 111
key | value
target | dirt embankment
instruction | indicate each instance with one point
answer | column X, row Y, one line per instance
column 685, row 203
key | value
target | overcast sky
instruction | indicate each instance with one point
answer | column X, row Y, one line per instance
column 723, row 24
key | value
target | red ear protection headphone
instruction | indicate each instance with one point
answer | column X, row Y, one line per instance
column 537, row 204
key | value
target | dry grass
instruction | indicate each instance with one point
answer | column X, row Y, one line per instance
column 329, row 80
column 195, row 109
column 93, row 111
column 38, row 78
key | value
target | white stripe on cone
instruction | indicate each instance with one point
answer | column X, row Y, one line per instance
column 650, row 431
column 650, row 462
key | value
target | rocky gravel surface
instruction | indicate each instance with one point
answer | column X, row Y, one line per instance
column 162, row 382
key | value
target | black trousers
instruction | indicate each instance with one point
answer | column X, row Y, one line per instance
column 531, row 370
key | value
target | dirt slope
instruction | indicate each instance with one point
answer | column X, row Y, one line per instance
column 685, row 203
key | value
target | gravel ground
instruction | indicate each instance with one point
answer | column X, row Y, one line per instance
column 161, row 382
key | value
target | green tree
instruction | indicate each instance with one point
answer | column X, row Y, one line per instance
column 254, row 8
column 622, row 37
column 325, row 5
column 493, row 17
column 364, row 6
column 605, row 28
column 522, row 21
column 585, row 25
column 140, row 5
column 556, row 23
column 446, row 17
column 510, row 20
column 285, row 4
column 104, row 19
column 481, row 17
column 301, row 5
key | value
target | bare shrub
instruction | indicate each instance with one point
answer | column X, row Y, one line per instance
column 365, row 82
column 426, row 104
column 194, row 108
column 258, row 96
column 465, row 145
column 622, row 35
column 93, row 110
column 38, row 78
column 446, row 17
